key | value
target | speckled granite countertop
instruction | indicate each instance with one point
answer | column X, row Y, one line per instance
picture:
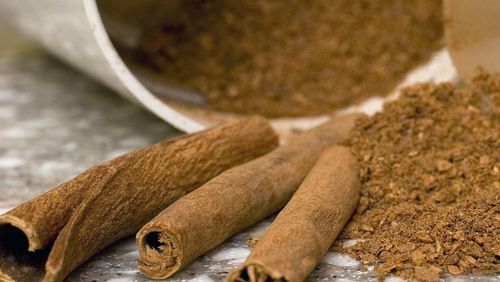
column 55, row 123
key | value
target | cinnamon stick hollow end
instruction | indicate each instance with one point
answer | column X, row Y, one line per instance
column 258, row 271
column 15, row 242
column 161, row 252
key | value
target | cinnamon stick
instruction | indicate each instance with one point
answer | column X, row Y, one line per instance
column 232, row 201
column 304, row 230
column 46, row 238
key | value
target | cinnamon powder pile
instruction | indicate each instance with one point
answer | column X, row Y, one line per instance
column 430, row 172
column 288, row 58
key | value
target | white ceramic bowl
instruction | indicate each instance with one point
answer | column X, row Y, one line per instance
column 79, row 31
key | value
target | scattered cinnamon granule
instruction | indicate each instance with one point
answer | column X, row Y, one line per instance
column 282, row 58
column 252, row 242
column 429, row 165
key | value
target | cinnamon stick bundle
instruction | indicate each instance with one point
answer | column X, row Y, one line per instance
column 46, row 238
column 232, row 201
column 307, row 226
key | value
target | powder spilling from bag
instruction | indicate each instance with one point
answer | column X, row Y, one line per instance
column 430, row 172
column 289, row 58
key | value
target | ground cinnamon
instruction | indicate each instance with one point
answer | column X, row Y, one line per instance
column 305, row 229
column 232, row 201
column 46, row 238
column 295, row 57
column 430, row 173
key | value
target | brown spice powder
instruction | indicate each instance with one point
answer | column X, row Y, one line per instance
column 282, row 58
column 430, row 172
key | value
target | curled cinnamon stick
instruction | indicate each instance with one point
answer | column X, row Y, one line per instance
column 232, row 201
column 307, row 226
column 46, row 238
